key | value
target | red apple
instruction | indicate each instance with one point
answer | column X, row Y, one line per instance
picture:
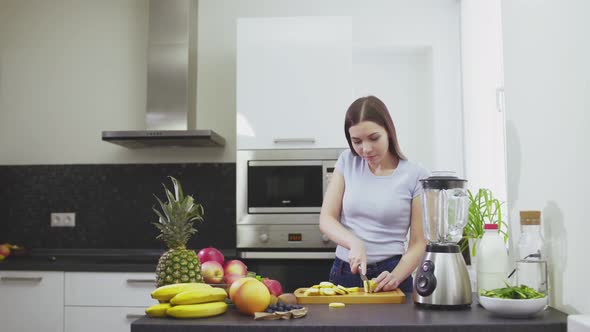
column 212, row 272
column 235, row 267
column 274, row 287
column 230, row 278
column 4, row 251
column 210, row 254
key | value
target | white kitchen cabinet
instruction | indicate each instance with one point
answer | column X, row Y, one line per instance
column 100, row 319
column 106, row 301
column 31, row 301
column 294, row 82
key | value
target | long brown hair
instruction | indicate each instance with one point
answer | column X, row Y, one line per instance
column 372, row 109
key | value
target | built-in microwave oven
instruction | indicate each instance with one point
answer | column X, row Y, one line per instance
column 287, row 186
column 279, row 197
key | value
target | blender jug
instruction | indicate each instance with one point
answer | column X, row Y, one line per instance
column 445, row 208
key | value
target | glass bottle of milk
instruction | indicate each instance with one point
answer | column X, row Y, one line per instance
column 492, row 260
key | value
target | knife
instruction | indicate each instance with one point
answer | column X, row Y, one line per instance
column 364, row 278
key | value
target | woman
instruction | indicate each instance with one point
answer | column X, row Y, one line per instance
column 372, row 201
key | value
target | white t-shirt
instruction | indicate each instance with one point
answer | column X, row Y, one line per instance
column 377, row 209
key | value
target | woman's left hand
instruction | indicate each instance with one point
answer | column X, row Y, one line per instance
column 386, row 281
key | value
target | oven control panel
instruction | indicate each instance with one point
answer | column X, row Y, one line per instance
column 282, row 236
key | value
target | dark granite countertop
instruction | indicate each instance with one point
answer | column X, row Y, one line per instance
column 364, row 317
column 90, row 260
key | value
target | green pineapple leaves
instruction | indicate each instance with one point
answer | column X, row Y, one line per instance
column 177, row 217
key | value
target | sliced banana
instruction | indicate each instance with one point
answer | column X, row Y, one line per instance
column 327, row 291
column 342, row 288
column 352, row 289
column 312, row 292
column 339, row 291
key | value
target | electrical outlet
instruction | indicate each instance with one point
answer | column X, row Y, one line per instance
column 63, row 219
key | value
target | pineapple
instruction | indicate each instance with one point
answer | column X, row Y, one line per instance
column 178, row 264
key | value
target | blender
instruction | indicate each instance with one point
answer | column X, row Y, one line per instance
column 442, row 280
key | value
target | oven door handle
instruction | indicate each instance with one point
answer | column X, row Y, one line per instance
column 287, row 255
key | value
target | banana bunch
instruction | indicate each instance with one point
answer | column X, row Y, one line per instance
column 327, row 288
column 188, row 300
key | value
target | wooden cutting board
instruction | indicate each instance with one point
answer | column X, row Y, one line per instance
column 396, row 296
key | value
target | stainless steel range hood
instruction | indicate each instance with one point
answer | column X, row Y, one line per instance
column 171, row 82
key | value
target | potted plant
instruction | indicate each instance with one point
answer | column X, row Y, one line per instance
column 484, row 209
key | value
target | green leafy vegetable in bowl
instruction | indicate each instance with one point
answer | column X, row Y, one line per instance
column 521, row 292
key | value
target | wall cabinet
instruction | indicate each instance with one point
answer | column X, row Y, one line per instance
column 293, row 82
column 31, row 301
column 297, row 75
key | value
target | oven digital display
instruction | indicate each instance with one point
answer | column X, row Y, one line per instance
column 295, row 237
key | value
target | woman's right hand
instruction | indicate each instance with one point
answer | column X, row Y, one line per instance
column 357, row 257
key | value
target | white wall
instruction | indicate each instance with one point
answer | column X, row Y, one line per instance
column 70, row 69
column 547, row 70
column 481, row 56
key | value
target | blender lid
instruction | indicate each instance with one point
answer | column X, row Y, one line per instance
column 443, row 180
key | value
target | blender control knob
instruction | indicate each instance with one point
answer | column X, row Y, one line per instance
column 263, row 237
column 325, row 238
column 422, row 282
column 427, row 266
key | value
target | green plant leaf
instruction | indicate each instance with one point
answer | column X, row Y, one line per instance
column 484, row 209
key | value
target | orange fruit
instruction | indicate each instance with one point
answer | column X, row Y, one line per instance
column 252, row 296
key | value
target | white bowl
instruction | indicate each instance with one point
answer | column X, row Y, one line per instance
column 513, row 308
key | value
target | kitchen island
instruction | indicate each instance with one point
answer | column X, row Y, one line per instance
column 364, row 317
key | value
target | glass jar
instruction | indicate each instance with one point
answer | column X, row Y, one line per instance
column 531, row 266
column 530, row 243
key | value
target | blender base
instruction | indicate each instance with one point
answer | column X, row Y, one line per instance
column 442, row 280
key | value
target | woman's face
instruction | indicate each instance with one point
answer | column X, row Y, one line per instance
column 370, row 141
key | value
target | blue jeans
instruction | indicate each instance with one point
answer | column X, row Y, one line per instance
column 340, row 273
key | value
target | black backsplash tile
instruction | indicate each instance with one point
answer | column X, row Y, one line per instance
column 113, row 204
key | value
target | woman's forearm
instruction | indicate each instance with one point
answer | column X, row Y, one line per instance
column 409, row 261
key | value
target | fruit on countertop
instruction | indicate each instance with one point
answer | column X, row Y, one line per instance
column 158, row 310
column 211, row 254
column 252, row 296
column 196, row 296
column 165, row 293
column 4, row 251
column 287, row 298
column 274, row 287
column 235, row 267
column 282, row 307
column 281, row 310
column 188, row 300
column 273, row 299
column 237, row 284
column 337, row 305
column 229, row 279
column 175, row 223
column 197, row 310
column 212, row 272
